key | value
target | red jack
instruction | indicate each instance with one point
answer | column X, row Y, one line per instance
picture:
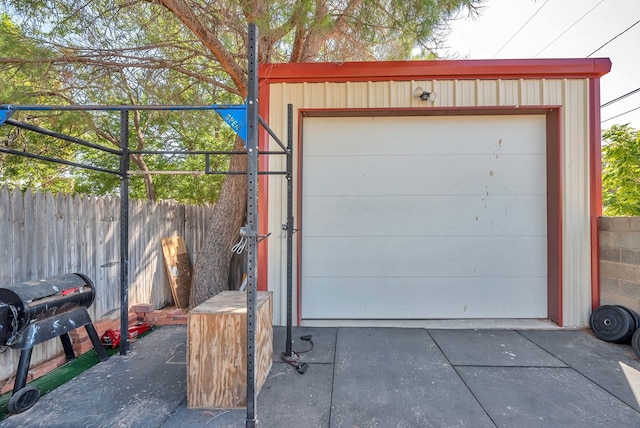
column 111, row 338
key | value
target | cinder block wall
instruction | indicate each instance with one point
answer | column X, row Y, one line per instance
column 620, row 261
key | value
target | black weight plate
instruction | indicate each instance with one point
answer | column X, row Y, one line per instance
column 635, row 342
column 23, row 399
column 612, row 324
column 634, row 315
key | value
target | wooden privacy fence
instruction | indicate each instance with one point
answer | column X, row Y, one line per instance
column 42, row 235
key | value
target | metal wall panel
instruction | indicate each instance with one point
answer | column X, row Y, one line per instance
column 571, row 94
column 577, row 242
column 487, row 92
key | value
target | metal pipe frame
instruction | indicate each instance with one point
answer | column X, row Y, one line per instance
column 68, row 138
column 290, row 230
column 124, row 232
column 176, row 172
column 43, row 131
column 101, row 107
column 56, row 160
column 273, row 135
column 252, row 224
column 253, row 123
column 201, row 152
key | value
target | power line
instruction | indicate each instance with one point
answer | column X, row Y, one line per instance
column 570, row 27
column 621, row 97
column 612, row 39
column 519, row 29
column 621, row 114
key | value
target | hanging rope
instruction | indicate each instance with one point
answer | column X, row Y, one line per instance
column 240, row 246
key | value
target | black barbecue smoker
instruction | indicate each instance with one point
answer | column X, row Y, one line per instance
column 35, row 311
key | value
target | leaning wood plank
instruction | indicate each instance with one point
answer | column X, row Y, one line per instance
column 176, row 260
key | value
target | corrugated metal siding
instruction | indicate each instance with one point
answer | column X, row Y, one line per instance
column 571, row 94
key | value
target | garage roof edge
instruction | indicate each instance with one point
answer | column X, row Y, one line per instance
column 435, row 70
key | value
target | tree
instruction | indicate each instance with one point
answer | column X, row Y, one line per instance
column 621, row 171
column 19, row 86
column 204, row 42
column 32, row 75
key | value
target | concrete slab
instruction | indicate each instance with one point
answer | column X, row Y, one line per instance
column 614, row 367
column 486, row 323
column 291, row 399
column 388, row 377
column 287, row 399
column 324, row 343
column 141, row 389
column 381, row 377
column 491, row 348
column 218, row 418
column 523, row 397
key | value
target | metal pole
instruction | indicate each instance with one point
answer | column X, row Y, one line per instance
column 55, row 160
column 122, row 107
column 289, row 346
column 124, row 233
column 43, row 131
column 252, row 223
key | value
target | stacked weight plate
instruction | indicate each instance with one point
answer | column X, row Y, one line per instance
column 616, row 324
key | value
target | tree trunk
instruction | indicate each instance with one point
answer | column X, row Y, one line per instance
column 211, row 271
column 150, row 189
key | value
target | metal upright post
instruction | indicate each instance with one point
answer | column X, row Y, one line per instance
column 252, row 223
column 124, row 232
column 290, row 229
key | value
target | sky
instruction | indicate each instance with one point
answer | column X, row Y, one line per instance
column 560, row 29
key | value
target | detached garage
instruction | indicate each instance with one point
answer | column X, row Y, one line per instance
column 479, row 204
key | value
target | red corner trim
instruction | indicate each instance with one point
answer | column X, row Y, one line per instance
column 263, row 191
column 445, row 69
column 554, row 216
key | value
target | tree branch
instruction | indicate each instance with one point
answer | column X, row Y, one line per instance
column 185, row 14
column 315, row 40
column 152, row 64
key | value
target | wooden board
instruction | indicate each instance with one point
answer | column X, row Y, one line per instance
column 178, row 265
column 217, row 350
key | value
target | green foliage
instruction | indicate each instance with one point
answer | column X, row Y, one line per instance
column 144, row 52
column 621, row 171
column 20, row 84
column 38, row 82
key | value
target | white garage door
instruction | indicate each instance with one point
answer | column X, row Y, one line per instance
column 424, row 217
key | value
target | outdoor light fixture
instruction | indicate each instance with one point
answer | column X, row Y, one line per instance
column 424, row 95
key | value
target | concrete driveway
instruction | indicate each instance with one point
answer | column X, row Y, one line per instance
column 372, row 377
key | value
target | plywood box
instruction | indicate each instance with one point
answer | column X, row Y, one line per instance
column 217, row 350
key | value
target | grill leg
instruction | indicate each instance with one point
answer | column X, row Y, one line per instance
column 95, row 340
column 67, row 346
column 23, row 369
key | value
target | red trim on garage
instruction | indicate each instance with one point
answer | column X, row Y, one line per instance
column 429, row 111
column 595, row 186
column 554, row 215
column 263, row 191
column 554, row 181
column 426, row 70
